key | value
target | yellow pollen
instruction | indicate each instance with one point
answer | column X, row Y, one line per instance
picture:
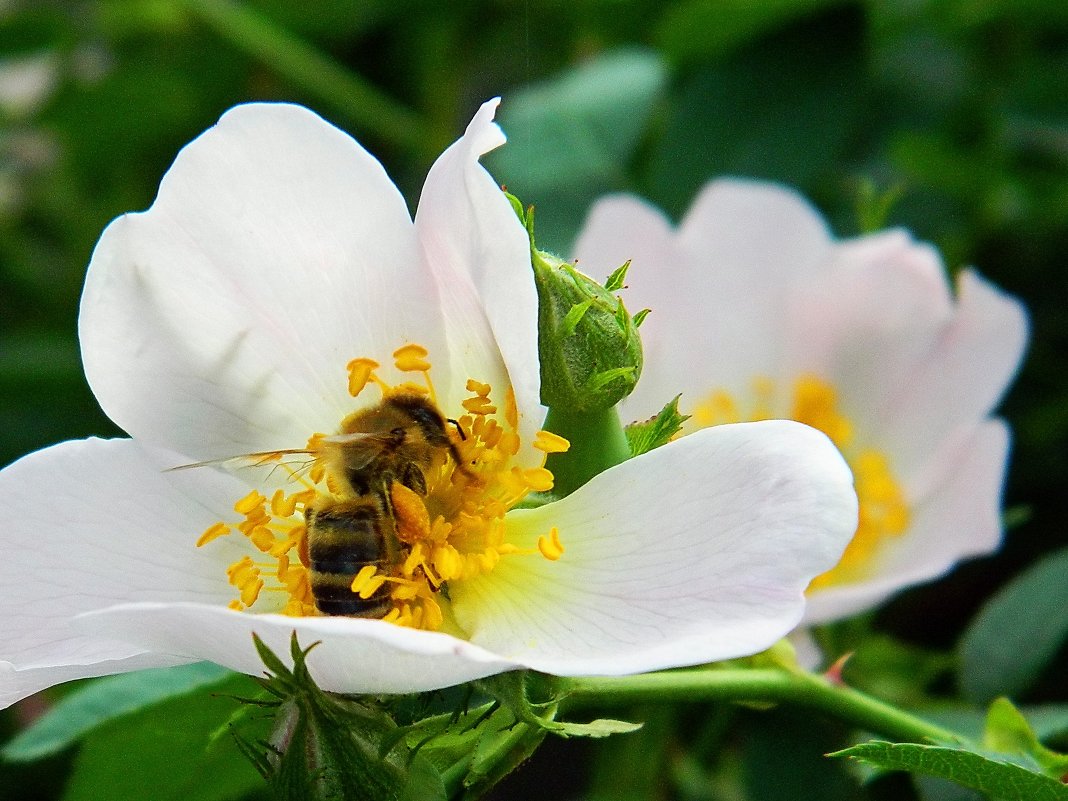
column 550, row 546
column 413, row 520
column 411, row 358
column 816, row 404
column 439, row 507
column 549, row 442
column 884, row 510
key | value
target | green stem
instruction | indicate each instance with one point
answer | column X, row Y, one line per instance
column 766, row 685
column 597, row 443
column 312, row 71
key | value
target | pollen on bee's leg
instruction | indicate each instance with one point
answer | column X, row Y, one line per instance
column 413, row 520
column 550, row 546
column 213, row 532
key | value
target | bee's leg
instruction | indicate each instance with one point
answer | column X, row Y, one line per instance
column 414, row 479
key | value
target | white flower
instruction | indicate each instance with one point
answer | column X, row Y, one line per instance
column 240, row 315
column 861, row 338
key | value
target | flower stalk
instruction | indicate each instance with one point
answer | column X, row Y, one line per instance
column 760, row 685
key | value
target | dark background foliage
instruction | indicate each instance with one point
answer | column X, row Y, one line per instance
column 956, row 110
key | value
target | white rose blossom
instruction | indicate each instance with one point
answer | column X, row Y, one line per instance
column 862, row 338
column 278, row 286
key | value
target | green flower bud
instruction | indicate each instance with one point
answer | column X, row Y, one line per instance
column 591, row 354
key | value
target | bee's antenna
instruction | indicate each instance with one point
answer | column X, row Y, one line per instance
column 459, row 430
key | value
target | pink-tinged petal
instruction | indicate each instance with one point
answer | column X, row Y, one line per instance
column 98, row 524
column 220, row 321
column 959, row 516
column 867, row 320
column 723, row 279
column 480, row 257
column 354, row 656
column 697, row 551
column 962, row 377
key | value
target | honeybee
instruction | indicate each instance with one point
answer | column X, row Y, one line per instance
column 397, row 440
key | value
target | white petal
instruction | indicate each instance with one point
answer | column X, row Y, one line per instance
column 98, row 524
column 17, row 683
column 220, row 321
column 480, row 255
column 959, row 517
column 355, row 656
column 697, row 551
column 963, row 375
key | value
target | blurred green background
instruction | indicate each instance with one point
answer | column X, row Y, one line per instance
column 956, row 110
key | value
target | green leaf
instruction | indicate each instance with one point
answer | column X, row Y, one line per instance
column 763, row 116
column 705, row 29
column 1011, row 640
column 1009, row 732
column 656, row 431
column 105, row 700
column 165, row 752
column 1003, row 780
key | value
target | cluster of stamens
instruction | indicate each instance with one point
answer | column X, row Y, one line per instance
column 452, row 533
column 884, row 511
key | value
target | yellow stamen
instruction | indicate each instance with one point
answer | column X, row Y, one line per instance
column 452, row 529
column 550, row 546
column 367, row 581
column 538, row 479
column 884, row 510
column 411, row 358
column 479, row 404
column 478, row 387
column 549, row 442
column 213, row 532
column 249, row 503
column 360, row 372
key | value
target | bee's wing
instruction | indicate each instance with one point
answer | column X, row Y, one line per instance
column 360, row 447
column 245, row 460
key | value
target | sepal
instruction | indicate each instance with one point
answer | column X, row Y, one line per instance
column 326, row 746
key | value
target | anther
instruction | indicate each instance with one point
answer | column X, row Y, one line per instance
column 213, row 533
column 249, row 503
column 479, row 405
column 478, row 387
column 411, row 358
column 549, row 442
column 360, row 372
column 550, row 546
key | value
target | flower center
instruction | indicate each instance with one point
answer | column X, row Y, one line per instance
column 377, row 519
column 884, row 512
